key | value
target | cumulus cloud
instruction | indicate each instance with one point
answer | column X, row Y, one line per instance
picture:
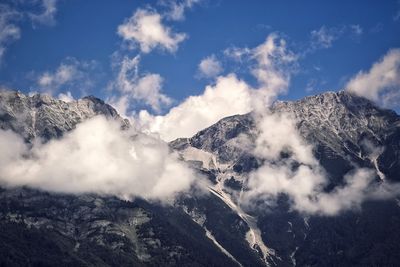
column 97, row 157
column 229, row 96
column 381, row 82
column 209, row 67
column 133, row 86
column 289, row 167
column 145, row 29
column 71, row 73
column 176, row 8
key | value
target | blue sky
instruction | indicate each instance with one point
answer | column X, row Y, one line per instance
column 332, row 41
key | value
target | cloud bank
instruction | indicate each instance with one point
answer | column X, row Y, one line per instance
column 289, row 167
column 97, row 157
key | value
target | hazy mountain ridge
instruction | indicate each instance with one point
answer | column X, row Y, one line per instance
column 211, row 230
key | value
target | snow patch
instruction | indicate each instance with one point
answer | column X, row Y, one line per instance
column 194, row 154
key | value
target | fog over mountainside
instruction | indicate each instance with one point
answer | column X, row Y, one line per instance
column 299, row 183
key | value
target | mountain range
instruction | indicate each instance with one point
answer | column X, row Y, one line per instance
column 347, row 132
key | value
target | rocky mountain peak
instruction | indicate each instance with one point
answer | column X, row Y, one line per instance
column 43, row 116
column 341, row 101
column 213, row 229
column 337, row 124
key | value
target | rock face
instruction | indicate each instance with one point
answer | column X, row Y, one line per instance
column 45, row 117
column 345, row 131
column 41, row 228
column 343, row 125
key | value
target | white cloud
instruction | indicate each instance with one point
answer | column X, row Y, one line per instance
column 305, row 184
column 97, row 157
column 209, row 67
column 277, row 133
column 145, row 28
column 47, row 16
column 71, row 73
column 67, row 97
column 13, row 13
column 64, row 73
column 324, row 37
column 271, row 63
column 229, row 96
column 176, row 8
column 121, row 104
column 381, row 82
column 236, row 53
column 311, row 84
column 272, row 70
column 138, row 88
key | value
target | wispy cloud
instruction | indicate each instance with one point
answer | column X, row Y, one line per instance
column 177, row 8
column 356, row 29
column 209, row 67
column 13, row 13
column 9, row 31
column 47, row 16
column 275, row 64
column 324, row 37
column 136, row 87
column 70, row 74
